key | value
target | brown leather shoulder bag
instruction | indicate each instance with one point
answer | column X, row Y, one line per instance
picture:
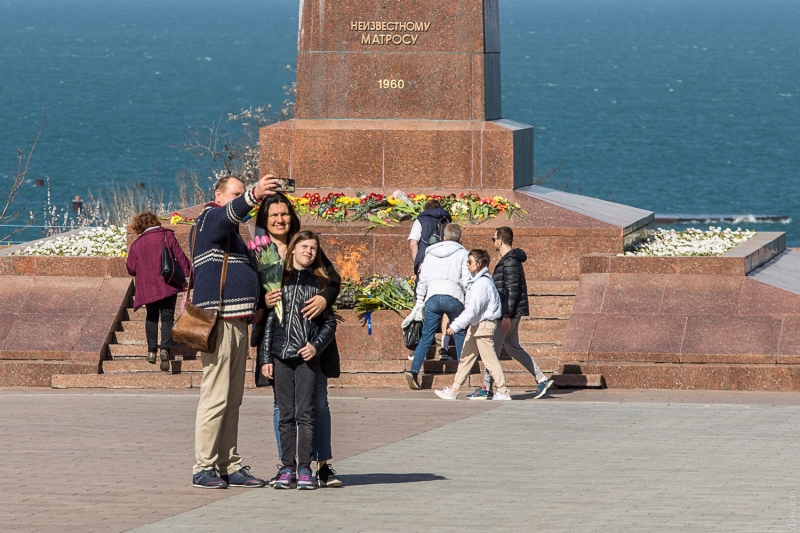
column 195, row 327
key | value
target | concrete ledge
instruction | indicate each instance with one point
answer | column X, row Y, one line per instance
column 39, row 373
column 58, row 265
column 43, row 265
column 738, row 261
column 620, row 375
column 782, row 272
column 759, row 250
column 628, row 218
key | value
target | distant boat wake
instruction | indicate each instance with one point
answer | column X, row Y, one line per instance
column 729, row 219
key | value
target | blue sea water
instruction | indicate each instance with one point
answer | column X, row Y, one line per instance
column 678, row 106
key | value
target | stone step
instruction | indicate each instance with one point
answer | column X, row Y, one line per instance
column 380, row 367
column 692, row 376
column 134, row 380
column 547, row 364
column 569, row 288
column 128, row 337
column 544, row 324
column 118, row 351
column 554, row 337
column 136, row 326
column 579, row 381
column 123, row 381
column 37, row 373
column 549, row 312
column 551, row 301
column 391, row 381
column 141, row 365
column 537, row 350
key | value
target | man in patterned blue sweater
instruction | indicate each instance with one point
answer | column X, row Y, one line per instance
column 219, row 464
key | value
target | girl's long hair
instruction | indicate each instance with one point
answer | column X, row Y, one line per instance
column 317, row 268
column 263, row 214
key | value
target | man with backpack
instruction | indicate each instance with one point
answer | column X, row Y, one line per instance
column 428, row 229
column 509, row 278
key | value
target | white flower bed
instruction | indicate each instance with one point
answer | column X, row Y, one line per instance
column 94, row 242
column 691, row 242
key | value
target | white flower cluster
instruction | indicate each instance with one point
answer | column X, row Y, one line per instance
column 460, row 207
column 94, row 242
column 691, row 242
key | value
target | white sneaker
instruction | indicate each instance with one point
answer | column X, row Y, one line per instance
column 411, row 356
column 447, row 394
column 498, row 396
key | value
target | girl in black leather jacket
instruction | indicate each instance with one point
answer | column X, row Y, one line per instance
column 289, row 354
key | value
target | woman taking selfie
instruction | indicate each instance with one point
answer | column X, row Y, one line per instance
column 277, row 219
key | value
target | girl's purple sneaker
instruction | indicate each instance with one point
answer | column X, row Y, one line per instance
column 305, row 481
column 286, row 479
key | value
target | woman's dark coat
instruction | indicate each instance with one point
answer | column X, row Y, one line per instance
column 144, row 262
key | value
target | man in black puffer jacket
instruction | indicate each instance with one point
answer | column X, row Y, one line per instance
column 509, row 278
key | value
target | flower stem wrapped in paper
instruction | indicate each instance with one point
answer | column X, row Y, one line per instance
column 270, row 267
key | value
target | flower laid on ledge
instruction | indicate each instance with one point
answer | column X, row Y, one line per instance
column 377, row 293
column 383, row 210
column 690, row 242
column 175, row 218
column 94, row 242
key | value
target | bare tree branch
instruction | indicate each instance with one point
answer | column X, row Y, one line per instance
column 17, row 182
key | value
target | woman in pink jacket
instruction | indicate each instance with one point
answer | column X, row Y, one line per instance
column 158, row 297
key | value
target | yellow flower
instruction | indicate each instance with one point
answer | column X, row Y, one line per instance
column 419, row 197
column 394, row 201
column 175, row 219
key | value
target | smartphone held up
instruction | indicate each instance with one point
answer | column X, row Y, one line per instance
column 285, row 185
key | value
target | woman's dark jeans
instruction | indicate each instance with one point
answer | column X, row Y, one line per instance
column 295, row 385
column 322, row 421
column 165, row 309
column 436, row 307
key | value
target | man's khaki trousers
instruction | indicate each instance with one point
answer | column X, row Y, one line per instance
column 480, row 340
column 221, row 390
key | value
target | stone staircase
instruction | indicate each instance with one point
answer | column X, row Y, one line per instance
column 367, row 362
column 126, row 366
column 541, row 334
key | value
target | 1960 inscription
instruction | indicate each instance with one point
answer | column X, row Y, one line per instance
column 410, row 36
column 391, row 84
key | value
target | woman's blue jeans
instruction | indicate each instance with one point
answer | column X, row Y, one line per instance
column 435, row 308
column 322, row 421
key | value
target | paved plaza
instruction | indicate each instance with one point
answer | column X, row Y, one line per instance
column 576, row 461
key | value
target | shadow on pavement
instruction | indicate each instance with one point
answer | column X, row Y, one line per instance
column 383, row 478
column 552, row 393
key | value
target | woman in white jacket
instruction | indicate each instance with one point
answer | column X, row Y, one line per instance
column 479, row 318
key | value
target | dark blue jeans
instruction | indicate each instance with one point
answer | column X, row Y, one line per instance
column 435, row 308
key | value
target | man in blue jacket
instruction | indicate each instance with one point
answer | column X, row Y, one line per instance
column 216, row 232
